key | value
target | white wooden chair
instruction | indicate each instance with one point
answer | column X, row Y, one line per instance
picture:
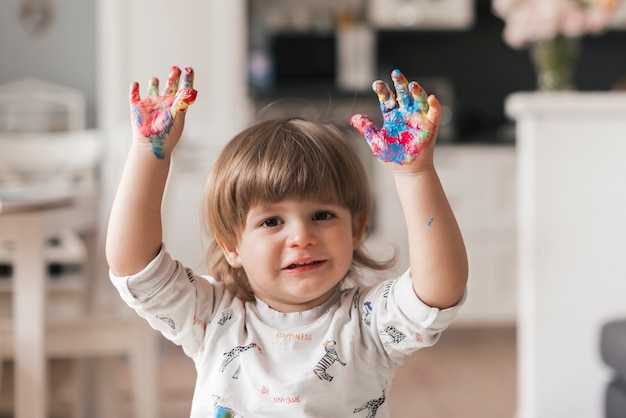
column 101, row 336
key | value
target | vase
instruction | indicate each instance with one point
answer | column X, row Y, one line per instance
column 554, row 61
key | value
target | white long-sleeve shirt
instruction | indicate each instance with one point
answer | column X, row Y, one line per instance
column 335, row 360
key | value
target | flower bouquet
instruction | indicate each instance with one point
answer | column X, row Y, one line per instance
column 551, row 28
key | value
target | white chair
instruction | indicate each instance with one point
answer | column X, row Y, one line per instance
column 100, row 336
column 70, row 329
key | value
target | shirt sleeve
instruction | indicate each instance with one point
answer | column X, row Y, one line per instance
column 172, row 299
column 403, row 323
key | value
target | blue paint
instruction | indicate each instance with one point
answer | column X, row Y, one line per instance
column 157, row 142
column 395, row 153
column 394, row 123
column 136, row 116
column 158, row 139
column 221, row 412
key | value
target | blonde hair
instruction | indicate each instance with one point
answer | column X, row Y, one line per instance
column 273, row 160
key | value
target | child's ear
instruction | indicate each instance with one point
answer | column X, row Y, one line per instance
column 358, row 230
column 231, row 255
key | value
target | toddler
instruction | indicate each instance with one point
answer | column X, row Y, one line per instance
column 281, row 326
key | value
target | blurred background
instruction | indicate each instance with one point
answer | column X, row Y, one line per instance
column 317, row 59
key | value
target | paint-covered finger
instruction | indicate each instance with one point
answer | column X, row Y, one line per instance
column 188, row 78
column 402, row 89
column 364, row 125
column 372, row 135
column 419, row 96
column 434, row 110
column 172, row 82
column 134, row 93
column 184, row 98
column 153, row 87
column 385, row 95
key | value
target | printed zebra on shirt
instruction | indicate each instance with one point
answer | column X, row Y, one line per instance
column 330, row 357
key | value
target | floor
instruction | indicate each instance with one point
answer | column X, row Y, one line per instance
column 469, row 373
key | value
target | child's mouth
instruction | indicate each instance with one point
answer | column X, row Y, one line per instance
column 295, row 266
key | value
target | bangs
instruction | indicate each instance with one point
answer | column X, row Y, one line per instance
column 299, row 161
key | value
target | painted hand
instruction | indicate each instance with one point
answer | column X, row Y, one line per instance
column 154, row 116
column 410, row 121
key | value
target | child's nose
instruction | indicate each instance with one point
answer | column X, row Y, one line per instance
column 301, row 235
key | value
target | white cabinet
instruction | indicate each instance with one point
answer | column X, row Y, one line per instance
column 421, row 14
column 571, row 172
column 480, row 183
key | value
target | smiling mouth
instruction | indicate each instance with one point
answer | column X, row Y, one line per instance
column 299, row 265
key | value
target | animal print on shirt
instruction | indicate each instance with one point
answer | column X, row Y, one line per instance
column 330, row 357
column 234, row 353
column 396, row 335
column 371, row 406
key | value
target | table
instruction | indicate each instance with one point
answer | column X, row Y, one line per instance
column 28, row 222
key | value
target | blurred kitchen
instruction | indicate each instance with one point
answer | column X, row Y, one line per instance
column 315, row 59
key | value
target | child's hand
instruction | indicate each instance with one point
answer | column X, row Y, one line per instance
column 410, row 122
column 153, row 117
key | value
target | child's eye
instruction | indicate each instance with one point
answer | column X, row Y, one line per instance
column 270, row 223
column 322, row 216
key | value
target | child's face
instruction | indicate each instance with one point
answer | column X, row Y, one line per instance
column 296, row 252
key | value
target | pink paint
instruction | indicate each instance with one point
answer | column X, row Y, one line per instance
column 154, row 115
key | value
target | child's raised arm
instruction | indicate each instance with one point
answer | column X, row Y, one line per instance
column 405, row 144
column 135, row 232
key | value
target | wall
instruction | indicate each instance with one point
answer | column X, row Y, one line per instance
column 64, row 53
column 132, row 47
